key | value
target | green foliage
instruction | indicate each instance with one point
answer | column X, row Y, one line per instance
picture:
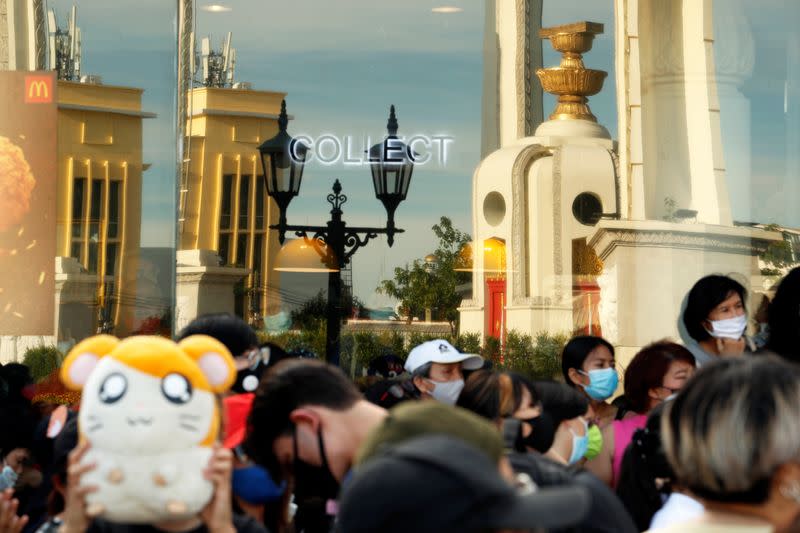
column 492, row 350
column 42, row 361
column 314, row 312
column 311, row 314
column 421, row 285
column 468, row 343
column 536, row 357
column 777, row 256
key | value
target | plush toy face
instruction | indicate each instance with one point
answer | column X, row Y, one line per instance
column 127, row 410
column 149, row 412
column 148, row 394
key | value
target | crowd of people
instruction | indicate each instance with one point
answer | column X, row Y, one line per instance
column 704, row 436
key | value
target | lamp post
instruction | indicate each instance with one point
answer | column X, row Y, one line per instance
column 391, row 163
column 430, row 267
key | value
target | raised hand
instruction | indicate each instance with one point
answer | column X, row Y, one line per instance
column 9, row 521
column 218, row 516
column 76, row 513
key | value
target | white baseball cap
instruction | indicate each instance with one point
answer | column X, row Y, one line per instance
column 441, row 351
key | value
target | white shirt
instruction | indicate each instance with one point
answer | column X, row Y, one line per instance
column 678, row 508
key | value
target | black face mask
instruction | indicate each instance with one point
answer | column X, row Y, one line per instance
column 543, row 434
column 312, row 482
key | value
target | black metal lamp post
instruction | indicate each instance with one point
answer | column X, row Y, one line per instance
column 392, row 164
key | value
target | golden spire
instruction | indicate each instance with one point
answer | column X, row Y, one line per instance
column 571, row 81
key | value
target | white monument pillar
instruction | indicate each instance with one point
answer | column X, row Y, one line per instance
column 512, row 51
column 669, row 112
column 734, row 58
column 538, row 199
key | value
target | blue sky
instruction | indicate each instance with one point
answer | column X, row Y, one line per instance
column 344, row 62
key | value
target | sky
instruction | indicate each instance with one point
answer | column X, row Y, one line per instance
column 344, row 62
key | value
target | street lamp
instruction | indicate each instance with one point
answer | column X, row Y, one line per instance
column 430, row 267
column 391, row 163
column 277, row 155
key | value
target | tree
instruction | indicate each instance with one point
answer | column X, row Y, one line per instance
column 314, row 311
column 778, row 256
column 432, row 284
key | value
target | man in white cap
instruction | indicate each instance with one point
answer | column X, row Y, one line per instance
column 437, row 368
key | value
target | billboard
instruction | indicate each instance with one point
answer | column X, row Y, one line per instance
column 28, row 172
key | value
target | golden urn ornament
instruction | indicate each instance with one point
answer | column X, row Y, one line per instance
column 571, row 81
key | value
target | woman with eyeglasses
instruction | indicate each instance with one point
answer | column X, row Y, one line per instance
column 654, row 375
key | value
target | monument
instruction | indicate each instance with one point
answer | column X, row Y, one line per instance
column 596, row 231
column 538, row 198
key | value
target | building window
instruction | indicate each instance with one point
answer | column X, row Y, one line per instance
column 241, row 250
column 242, row 231
column 113, row 233
column 113, row 210
column 224, row 248
column 78, row 202
column 226, row 226
column 244, row 203
column 226, row 204
column 260, row 201
column 100, row 211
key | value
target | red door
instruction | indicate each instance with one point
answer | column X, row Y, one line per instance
column 496, row 315
column 586, row 308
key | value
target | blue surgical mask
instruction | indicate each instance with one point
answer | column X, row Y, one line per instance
column 255, row 486
column 602, row 383
column 580, row 445
column 8, row 478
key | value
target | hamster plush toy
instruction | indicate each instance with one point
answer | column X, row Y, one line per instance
column 150, row 414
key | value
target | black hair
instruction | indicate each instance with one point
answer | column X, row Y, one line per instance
column 560, row 401
column 643, row 462
column 18, row 430
column 520, row 383
column 290, row 385
column 229, row 329
column 707, row 294
column 784, row 318
column 488, row 394
column 577, row 350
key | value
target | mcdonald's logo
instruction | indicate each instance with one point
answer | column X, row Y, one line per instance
column 38, row 89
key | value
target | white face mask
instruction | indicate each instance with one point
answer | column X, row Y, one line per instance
column 447, row 391
column 730, row 328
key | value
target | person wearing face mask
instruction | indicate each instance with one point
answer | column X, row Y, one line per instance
column 511, row 403
column 589, row 365
column 715, row 319
column 568, row 410
column 437, row 370
column 310, row 426
column 254, row 492
column 540, row 409
column 653, row 376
